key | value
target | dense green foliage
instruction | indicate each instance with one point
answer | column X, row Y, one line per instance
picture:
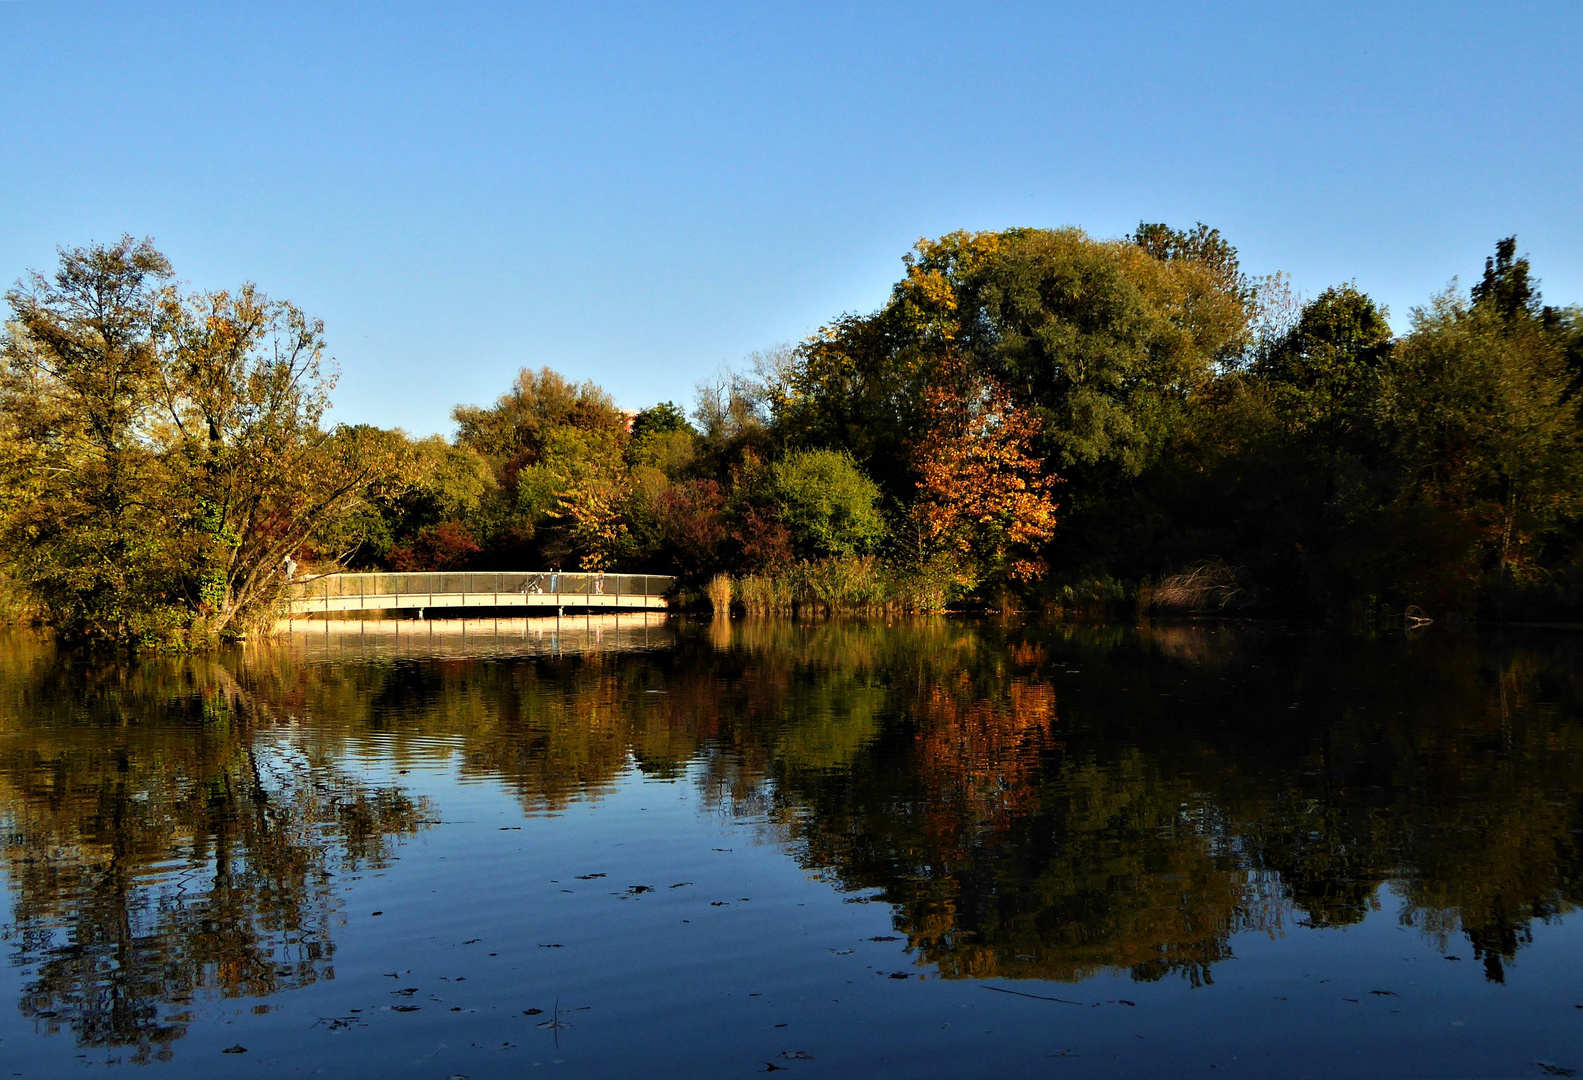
column 1034, row 416
column 828, row 505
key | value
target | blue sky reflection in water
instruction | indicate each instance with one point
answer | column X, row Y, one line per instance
column 937, row 848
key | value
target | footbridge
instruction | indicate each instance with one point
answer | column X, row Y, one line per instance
column 550, row 590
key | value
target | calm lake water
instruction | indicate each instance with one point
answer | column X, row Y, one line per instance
column 937, row 848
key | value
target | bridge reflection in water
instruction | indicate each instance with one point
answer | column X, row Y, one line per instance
column 322, row 640
column 549, row 589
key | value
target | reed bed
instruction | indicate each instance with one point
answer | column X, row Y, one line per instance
column 850, row 586
column 766, row 594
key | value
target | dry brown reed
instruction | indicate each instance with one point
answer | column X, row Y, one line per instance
column 1211, row 586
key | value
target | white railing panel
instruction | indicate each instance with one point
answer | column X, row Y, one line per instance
column 478, row 583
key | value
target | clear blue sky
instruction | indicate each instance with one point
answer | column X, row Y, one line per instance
column 641, row 194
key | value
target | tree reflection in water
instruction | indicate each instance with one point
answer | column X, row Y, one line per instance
column 1034, row 802
column 167, row 838
column 1054, row 802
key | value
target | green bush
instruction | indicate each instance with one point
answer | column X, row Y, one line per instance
column 830, row 506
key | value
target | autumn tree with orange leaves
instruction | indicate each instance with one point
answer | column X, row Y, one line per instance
column 983, row 496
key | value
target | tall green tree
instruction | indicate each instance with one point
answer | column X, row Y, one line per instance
column 164, row 453
column 1507, row 288
column 1322, row 372
column 666, row 417
column 516, row 427
column 253, row 473
column 1100, row 339
column 1477, row 401
column 80, row 375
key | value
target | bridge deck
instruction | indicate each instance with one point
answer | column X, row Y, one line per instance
column 528, row 590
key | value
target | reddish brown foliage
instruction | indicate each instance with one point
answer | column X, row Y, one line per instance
column 692, row 517
column 446, row 546
column 763, row 539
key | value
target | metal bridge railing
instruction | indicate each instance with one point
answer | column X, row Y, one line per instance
column 545, row 582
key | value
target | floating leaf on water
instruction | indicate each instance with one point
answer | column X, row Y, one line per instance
column 532, row 1012
column 339, row 1023
column 237, row 1049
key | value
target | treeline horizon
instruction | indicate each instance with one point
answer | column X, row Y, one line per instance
column 1035, row 418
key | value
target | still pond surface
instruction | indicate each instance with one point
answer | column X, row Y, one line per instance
column 681, row 850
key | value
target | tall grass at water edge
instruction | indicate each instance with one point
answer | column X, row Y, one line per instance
column 858, row 585
column 719, row 592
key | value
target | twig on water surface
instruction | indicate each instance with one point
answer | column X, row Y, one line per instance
column 1036, row 997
